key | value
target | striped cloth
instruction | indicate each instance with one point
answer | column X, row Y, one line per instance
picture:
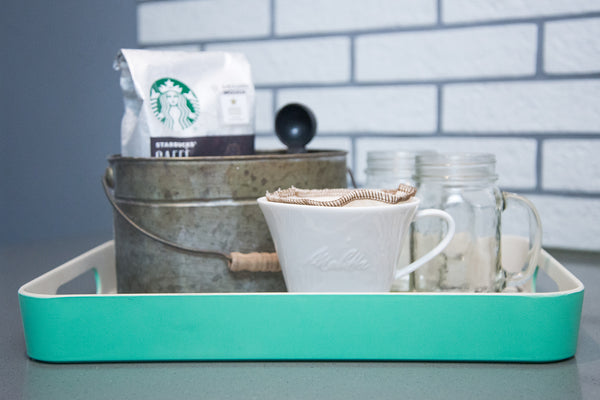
column 340, row 197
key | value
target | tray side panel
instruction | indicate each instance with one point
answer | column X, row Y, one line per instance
column 276, row 327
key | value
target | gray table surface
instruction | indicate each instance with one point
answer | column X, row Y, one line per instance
column 20, row 377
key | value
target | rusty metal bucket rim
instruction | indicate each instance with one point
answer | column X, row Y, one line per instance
column 259, row 155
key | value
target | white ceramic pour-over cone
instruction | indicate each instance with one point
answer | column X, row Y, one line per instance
column 345, row 249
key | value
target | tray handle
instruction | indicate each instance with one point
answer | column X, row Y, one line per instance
column 236, row 261
column 100, row 260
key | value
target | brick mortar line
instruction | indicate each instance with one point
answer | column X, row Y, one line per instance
column 272, row 11
column 273, row 94
column 539, row 56
column 539, row 164
column 558, row 193
column 439, row 17
column 434, row 82
column 528, row 135
column 439, row 92
column 352, row 71
column 354, row 162
column 536, row 19
column 445, row 135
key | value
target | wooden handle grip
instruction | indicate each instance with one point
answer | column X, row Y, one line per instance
column 255, row 262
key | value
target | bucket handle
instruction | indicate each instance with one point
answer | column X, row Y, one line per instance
column 236, row 261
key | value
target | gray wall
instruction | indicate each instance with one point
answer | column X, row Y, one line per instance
column 61, row 110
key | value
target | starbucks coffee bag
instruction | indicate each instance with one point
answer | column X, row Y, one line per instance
column 185, row 104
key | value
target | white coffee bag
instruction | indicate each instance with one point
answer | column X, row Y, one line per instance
column 184, row 104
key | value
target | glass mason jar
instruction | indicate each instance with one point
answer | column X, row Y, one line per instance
column 386, row 170
column 464, row 185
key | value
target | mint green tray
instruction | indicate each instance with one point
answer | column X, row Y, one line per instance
column 532, row 327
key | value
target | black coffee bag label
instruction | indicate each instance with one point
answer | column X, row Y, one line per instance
column 174, row 147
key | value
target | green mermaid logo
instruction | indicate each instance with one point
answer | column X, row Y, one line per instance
column 174, row 104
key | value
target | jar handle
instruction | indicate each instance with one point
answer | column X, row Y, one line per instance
column 535, row 233
column 437, row 249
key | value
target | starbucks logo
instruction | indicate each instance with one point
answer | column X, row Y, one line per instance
column 174, row 104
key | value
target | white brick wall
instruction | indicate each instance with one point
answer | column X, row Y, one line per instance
column 470, row 10
column 264, row 111
column 520, row 79
column 311, row 16
column 298, row 61
column 184, row 21
column 572, row 46
column 453, row 53
column 531, row 106
column 565, row 159
column 363, row 110
column 569, row 222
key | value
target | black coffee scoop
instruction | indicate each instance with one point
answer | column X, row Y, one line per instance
column 295, row 126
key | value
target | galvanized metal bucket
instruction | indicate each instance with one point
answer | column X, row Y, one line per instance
column 193, row 224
